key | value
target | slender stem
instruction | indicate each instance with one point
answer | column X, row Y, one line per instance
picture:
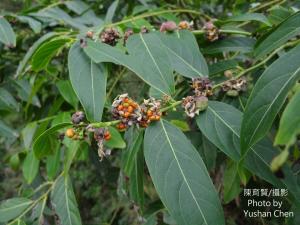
column 255, row 9
column 235, row 32
column 173, row 105
column 151, row 14
column 115, row 83
column 225, row 31
column 242, row 73
column 105, row 124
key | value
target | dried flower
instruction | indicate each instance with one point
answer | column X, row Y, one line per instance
column 184, row 25
column 211, row 31
column 101, row 135
column 110, row 36
column 127, row 34
column 89, row 34
column 233, row 86
column 202, row 87
column 194, row 104
column 144, row 30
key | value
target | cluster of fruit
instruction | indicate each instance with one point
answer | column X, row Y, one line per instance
column 126, row 110
column 130, row 113
column 150, row 111
column 76, row 132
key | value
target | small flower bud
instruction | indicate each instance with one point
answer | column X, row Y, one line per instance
column 168, row 26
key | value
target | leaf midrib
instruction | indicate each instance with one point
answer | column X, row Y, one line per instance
column 16, row 206
column 155, row 63
column 271, row 104
column 184, row 61
column 128, row 66
column 181, row 171
column 238, row 136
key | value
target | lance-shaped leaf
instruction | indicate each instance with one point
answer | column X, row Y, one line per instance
column 231, row 44
column 250, row 17
column 7, row 35
column 32, row 50
column 267, row 97
column 180, row 176
column 146, row 59
column 30, row 167
column 220, row 117
column 184, row 54
column 64, row 202
column 88, row 81
column 45, row 144
column 278, row 36
column 46, row 52
column 11, row 208
column 290, row 122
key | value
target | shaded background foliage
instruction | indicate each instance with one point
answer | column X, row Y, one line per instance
column 39, row 96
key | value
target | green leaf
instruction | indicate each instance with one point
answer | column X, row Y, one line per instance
column 182, row 125
column 277, row 14
column 278, row 36
column 76, row 6
column 267, row 97
column 279, row 160
column 249, row 17
column 11, row 208
column 111, row 11
column 53, row 164
column 71, row 152
column 289, row 126
column 208, row 152
column 34, row 24
column 19, row 222
column 226, row 120
column 230, row 44
column 157, row 72
column 222, row 131
column 66, row 90
column 30, row 167
column 7, row 35
column 28, row 133
column 134, row 138
column 45, row 144
column 32, row 50
column 221, row 66
column 64, row 202
column 25, row 92
column 88, row 81
column 180, row 176
column 6, row 131
column 231, row 182
column 58, row 15
column 116, row 140
column 148, row 48
column 184, row 54
column 7, row 101
column 137, row 179
column 46, row 52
